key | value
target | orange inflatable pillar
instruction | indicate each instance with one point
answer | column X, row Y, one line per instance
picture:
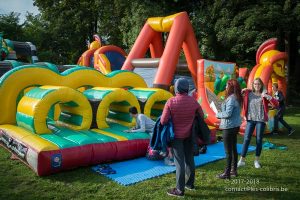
column 141, row 46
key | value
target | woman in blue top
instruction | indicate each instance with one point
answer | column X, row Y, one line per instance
column 230, row 125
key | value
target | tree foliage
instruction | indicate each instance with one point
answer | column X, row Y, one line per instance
column 233, row 30
column 229, row 30
column 10, row 26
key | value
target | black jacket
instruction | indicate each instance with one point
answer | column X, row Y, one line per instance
column 280, row 98
column 200, row 129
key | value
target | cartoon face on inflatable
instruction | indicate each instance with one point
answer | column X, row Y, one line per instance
column 276, row 59
column 279, row 68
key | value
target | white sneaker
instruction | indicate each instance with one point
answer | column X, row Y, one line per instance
column 241, row 163
column 257, row 164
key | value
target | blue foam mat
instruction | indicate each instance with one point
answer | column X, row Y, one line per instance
column 133, row 171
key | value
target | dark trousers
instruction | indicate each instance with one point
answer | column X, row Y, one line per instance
column 279, row 118
column 230, row 140
column 184, row 162
column 260, row 129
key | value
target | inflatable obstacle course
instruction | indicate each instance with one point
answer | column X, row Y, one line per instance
column 48, row 116
column 57, row 121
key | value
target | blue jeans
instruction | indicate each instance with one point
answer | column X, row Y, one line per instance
column 260, row 129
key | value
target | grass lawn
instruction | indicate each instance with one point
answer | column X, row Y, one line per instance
column 280, row 171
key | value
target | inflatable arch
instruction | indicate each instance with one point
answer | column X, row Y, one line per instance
column 112, row 105
column 151, row 100
column 34, row 107
column 181, row 36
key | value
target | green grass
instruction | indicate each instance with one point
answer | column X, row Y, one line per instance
column 281, row 169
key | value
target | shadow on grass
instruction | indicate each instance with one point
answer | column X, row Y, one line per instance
column 83, row 175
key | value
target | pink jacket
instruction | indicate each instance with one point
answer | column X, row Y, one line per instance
column 181, row 109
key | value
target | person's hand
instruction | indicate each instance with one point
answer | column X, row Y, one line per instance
column 265, row 95
column 244, row 90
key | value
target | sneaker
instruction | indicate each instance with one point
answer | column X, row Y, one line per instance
column 203, row 150
column 169, row 161
column 291, row 132
column 105, row 169
column 223, row 176
column 241, row 163
column 233, row 173
column 190, row 187
column 175, row 193
column 257, row 164
column 163, row 154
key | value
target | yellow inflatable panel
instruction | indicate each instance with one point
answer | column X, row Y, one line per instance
column 157, row 96
column 116, row 95
column 162, row 24
column 118, row 137
column 29, row 138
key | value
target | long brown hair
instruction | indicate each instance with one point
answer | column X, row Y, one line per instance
column 233, row 87
column 261, row 83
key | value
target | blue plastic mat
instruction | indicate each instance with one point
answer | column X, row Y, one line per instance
column 133, row 171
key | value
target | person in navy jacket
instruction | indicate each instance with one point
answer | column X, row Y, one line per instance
column 278, row 95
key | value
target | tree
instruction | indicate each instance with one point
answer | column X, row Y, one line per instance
column 10, row 25
column 70, row 24
column 233, row 30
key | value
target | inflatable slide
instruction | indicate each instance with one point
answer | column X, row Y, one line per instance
column 106, row 58
column 210, row 77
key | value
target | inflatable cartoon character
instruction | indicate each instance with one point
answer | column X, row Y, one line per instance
column 3, row 48
column 270, row 66
column 210, row 74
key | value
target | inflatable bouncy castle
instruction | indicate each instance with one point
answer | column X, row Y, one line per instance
column 57, row 121
column 106, row 58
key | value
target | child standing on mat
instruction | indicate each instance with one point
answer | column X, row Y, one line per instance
column 255, row 108
column 230, row 124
